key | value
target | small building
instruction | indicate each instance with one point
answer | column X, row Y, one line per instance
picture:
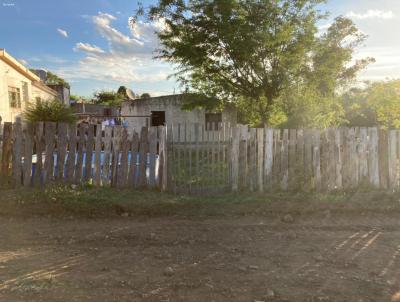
column 63, row 93
column 19, row 87
column 95, row 113
column 163, row 110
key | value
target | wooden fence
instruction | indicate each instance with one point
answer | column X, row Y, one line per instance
column 242, row 158
column 81, row 154
column 189, row 158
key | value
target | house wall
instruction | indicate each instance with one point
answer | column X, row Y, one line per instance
column 11, row 77
column 173, row 112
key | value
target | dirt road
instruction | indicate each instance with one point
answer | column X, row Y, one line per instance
column 324, row 256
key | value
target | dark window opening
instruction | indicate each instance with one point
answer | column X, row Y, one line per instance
column 158, row 118
column 213, row 121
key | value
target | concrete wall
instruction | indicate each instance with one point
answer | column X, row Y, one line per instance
column 173, row 113
column 11, row 77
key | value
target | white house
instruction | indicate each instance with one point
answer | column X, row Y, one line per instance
column 18, row 87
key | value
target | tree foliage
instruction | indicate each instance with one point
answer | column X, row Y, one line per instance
column 260, row 55
column 49, row 111
column 376, row 104
column 53, row 79
column 109, row 98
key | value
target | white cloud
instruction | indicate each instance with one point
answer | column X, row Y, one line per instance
column 88, row 48
column 387, row 63
column 62, row 32
column 127, row 59
column 371, row 14
column 23, row 62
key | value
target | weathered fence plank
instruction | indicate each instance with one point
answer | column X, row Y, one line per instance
column 6, row 150
column 373, row 159
column 393, row 164
column 107, row 154
column 89, row 153
column 28, row 136
column 235, row 158
column 383, row 159
column 269, row 155
column 152, row 156
column 62, row 130
column 143, row 150
column 122, row 177
column 132, row 178
column 50, row 131
column 72, row 141
column 116, row 148
column 260, row 159
column 317, row 183
column 17, row 150
column 285, row 159
column 97, row 157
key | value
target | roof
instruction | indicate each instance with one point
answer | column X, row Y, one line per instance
column 4, row 56
column 44, row 87
column 14, row 63
column 170, row 97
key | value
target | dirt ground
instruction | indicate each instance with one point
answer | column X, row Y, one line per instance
column 288, row 255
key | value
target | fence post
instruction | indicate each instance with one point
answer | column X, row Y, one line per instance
column 373, row 160
column 393, row 167
column 28, row 148
column 235, row 158
column 6, row 150
column 260, row 160
column 143, row 149
column 152, row 137
column 163, row 165
column 17, row 153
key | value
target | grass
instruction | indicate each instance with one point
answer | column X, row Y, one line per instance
column 94, row 202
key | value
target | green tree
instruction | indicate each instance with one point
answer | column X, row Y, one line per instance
column 377, row 104
column 109, row 98
column 238, row 51
column 145, row 95
column 51, row 111
column 316, row 100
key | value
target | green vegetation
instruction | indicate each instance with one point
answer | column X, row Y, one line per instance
column 265, row 57
column 51, row 111
column 87, row 201
column 145, row 95
column 53, row 79
column 376, row 104
column 110, row 97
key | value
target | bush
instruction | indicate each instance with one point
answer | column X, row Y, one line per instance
column 51, row 111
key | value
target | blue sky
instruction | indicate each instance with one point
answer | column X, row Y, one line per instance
column 89, row 42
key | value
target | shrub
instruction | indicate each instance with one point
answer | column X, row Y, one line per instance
column 51, row 111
